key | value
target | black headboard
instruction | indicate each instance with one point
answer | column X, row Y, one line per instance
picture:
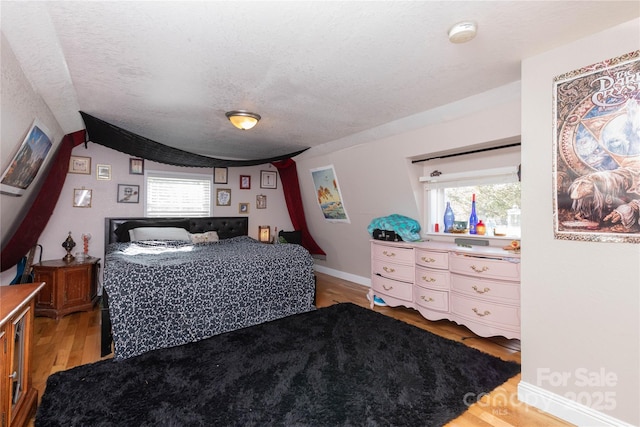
column 226, row 226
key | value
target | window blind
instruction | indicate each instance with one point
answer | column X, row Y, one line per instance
column 177, row 194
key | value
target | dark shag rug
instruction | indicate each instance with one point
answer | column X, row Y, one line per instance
column 342, row 365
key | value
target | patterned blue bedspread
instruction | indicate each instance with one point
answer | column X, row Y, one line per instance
column 163, row 294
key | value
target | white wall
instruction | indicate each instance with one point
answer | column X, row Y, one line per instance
column 580, row 300
column 19, row 106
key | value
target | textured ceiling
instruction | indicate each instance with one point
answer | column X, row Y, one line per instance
column 317, row 72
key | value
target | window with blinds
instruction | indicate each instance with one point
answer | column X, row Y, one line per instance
column 177, row 194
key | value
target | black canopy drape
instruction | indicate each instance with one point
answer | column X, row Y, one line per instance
column 122, row 140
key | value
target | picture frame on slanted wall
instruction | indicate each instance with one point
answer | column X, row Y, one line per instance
column 329, row 197
column 27, row 161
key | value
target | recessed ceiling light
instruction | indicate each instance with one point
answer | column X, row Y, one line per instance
column 463, row 32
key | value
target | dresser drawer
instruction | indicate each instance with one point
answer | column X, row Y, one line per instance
column 433, row 300
column 486, row 288
column 485, row 311
column 393, row 254
column 432, row 278
column 392, row 270
column 484, row 267
column 392, row 288
column 432, row 259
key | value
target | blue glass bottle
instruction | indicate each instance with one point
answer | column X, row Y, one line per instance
column 449, row 218
column 473, row 218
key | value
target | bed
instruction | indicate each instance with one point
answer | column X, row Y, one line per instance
column 164, row 289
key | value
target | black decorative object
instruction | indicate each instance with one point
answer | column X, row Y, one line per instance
column 68, row 246
column 335, row 366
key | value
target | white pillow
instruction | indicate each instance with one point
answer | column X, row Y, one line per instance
column 209, row 236
column 159, row 233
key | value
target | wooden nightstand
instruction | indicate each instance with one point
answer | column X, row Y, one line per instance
column 70, row 286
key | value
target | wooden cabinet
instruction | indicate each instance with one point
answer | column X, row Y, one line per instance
column 477, row 287
column 70, row 287
column 18, row 399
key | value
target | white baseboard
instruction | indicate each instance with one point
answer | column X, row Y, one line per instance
column 365, row 281
column 566, row 409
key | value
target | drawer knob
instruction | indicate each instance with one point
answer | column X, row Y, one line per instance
column 477, row 312
column 389, row 254
column 388, row 269
column 430, row 279
column 479, row 270
column 425, row 299
column 483, row 291
column 387, row 288
column 428, row 259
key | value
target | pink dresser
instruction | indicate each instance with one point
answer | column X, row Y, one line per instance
column 478, row 287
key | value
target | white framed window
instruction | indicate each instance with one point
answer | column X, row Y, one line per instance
column 177, row 194
column 497, row 199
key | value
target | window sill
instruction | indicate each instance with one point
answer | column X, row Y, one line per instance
column 452, row 236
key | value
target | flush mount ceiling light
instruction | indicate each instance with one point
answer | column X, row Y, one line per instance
column 463, row 32
column 243, row 119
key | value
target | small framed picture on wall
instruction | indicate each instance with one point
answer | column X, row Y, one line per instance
column 243, row 208
column 79, row 164
column 136, row 166
column 220, row 175
column 103, row 172
column 261, row 201
column 268, row 179
column 128, row 193
column 245, row 182
column 223, row 197
column 82, row 198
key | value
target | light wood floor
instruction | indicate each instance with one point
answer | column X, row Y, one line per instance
column 75, row 340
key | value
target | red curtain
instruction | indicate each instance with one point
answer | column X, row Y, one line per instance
column 27, row 234
column 291, row 187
